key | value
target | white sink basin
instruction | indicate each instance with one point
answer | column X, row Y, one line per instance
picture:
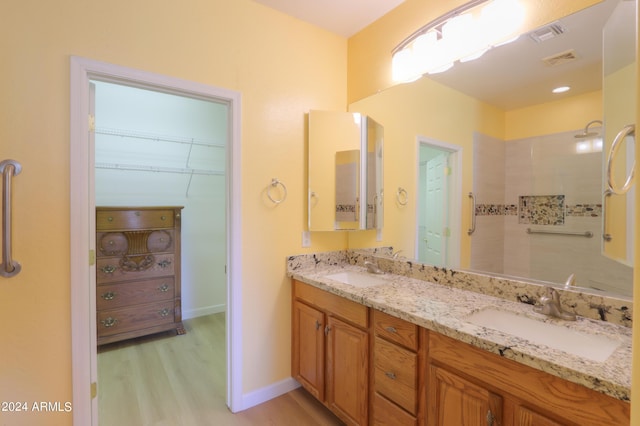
column 594, row 347
column 357, row 279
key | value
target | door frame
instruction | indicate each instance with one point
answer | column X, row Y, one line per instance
column 455, row 197
column 82, row 226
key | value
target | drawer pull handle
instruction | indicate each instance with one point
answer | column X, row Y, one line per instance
column 164, row 263
column 164, row 288
column 108, row 269
column 108, row 295
column 317, row 325
column 163, row 217
column 164, row 312
column 391, row 329
column 109, row 322
column 110, row 219
column 390, row 374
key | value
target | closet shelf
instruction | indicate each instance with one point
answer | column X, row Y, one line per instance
column 140, row 168
column 157, row 137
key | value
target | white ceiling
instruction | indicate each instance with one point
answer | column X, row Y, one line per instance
column 343, row 17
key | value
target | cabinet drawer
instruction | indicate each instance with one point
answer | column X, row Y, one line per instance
column 134, row 219
column 109, row 270
column 395, row 374
column 395, row 330
column 114, row 321
column 341, row 307
column 132, row 242
column 386, row 413
column 134, row 293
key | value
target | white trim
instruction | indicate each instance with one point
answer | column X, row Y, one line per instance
column 83, row 354
column 454, row 244
column 205, row 310
column 267, row 393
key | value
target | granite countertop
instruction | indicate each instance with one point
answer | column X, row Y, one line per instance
column 444, row 309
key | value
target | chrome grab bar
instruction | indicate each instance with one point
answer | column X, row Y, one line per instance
column 473, row 214
column 628, row 130
column 605, row 235
column 9, row 267
column 587, row 234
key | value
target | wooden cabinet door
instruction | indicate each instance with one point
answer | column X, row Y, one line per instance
column 308, row 345
column 347, row 371
column 526, row 417
column 454, row 401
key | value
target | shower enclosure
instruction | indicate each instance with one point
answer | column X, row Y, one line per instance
column 539, row 210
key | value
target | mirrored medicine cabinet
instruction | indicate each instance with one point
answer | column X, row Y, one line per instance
column 345, row 171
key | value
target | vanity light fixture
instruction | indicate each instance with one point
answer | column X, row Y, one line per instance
column 463, row 34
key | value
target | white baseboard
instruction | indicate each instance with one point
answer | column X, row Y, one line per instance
column 274, row 390
column 199, row 312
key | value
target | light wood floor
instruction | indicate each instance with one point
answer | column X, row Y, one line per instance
column 180, row 381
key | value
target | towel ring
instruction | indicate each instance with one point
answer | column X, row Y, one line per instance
column 628, row 130
column 274, row 183
column 402, row 196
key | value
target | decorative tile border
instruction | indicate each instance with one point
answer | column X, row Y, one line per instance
column 574, row 210
column 584, row 210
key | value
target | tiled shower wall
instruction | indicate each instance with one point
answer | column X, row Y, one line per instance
column 541, row 183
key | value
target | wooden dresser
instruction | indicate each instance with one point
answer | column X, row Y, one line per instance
column 137, row 271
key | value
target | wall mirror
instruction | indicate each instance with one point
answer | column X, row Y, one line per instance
column 552, row 180
column 345, row 171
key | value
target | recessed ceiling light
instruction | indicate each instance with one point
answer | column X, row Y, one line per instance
column 561, row 89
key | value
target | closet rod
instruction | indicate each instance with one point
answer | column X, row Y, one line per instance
column 156, row 137
column 138, row 168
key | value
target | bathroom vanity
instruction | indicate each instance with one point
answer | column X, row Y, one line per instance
column 405, row 351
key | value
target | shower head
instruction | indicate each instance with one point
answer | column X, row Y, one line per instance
column 586, row 133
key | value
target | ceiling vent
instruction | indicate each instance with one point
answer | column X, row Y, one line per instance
column 560, row 58
column 547, row 32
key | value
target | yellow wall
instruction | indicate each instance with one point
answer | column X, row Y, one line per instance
column 570, row 113
column 281, row 66
column 428, row 109
column 635, row 379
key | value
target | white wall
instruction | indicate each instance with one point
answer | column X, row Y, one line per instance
column 146, row 113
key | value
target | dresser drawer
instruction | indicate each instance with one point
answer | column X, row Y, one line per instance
column 134, row 219
column 114, row 321
column 395, row 374
column 112, row 269
column 113, row 296
column 395, row 330
column 123, row 242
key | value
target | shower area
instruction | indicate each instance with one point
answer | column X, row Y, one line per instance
column 539, row 209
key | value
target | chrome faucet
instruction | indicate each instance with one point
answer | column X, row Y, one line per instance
column 373, row 268
column 396, row 254
column 550, row 305
column 571, row 282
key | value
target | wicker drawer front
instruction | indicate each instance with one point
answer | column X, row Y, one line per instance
column 396, row 330
column 113, row 269
column 114, row 321
column 131, row 242
column 113, row 296
column 395, row 374
column 133, row 219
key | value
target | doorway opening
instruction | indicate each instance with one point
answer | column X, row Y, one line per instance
column 438, row 216
column 155, row 149
column 85, row 172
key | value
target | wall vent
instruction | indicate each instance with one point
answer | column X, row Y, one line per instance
column 560, row 58
column 547, row 32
